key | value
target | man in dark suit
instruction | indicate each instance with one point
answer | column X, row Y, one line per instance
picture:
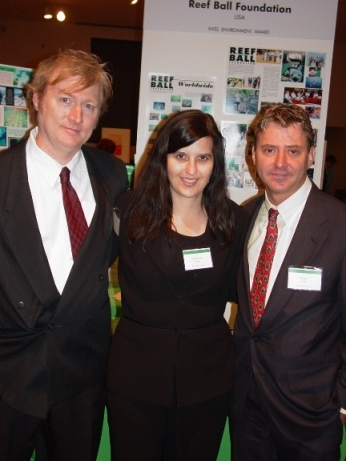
column 54, row 304
column 290, row 389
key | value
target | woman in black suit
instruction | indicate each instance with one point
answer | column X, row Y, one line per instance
column 171, row 363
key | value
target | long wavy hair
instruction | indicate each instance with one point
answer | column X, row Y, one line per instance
column 151, row 209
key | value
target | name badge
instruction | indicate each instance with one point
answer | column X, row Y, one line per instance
column 199, row 258
column 305, row 278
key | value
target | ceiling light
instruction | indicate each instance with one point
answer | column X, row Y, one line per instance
column 133, row 2
column 61, row 16
column 47, row 13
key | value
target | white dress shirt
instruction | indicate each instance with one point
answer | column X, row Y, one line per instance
column 45, row 186
column 289, row 215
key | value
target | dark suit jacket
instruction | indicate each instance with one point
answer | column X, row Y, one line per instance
column 297, row 354
column 52, row 346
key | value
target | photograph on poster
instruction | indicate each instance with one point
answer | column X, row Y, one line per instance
column 19, row 97
column 313, row 82
column 3, row 136
column 235, row 137
column 313, row 96
column 293, row 64
column 206, row 97
column 2, row 95
column 241, row 101
column 252, row 82
column 302, row 96
column 315, row 130
column 265, row 56
column 314, row 72
column 14, row 76
column 16, row 117
column 9, row 97
column 186, row 103
column 240, row 170
column 314, row 112
column 316, row 59
column 207, row 109
column 159, row 105
column 235, row 82
column 235, row 179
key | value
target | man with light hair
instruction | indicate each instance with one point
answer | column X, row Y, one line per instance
column 56, row 245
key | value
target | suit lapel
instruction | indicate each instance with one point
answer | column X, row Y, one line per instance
column 97, row 237
column 25, row 240
column 305, row 245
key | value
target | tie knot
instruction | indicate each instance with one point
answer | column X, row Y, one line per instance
column 273, row 214
column 65, row 175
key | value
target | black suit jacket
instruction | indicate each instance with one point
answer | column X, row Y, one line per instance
column 297, row 355
column 52, row 346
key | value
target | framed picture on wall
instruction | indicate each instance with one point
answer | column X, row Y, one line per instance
column 121, row 137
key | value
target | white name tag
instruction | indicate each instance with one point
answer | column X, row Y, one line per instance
column 305, row 278
column 199, row 258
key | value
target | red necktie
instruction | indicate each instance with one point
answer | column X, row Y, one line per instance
column 76, row 222
column 263, row 268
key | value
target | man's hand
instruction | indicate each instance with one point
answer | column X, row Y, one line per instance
column 343, row 418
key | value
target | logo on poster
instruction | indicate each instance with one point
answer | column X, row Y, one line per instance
column 241, row 54
column 161, row 82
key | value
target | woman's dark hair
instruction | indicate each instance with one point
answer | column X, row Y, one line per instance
column 151, row 208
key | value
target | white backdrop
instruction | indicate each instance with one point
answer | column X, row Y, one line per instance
column 197, row 56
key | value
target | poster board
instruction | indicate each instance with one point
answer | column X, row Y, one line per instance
column 14, row 115
column 121, row 137
column 229, row 59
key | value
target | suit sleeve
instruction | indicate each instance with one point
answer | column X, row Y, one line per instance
column 241, row 222
column 342, row 301
column 119, row 183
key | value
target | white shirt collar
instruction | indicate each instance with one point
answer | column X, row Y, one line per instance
column 47, row 166
column 292, row 206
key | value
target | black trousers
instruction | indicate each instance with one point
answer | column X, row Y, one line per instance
column 255, row 437
column 71, row 431
column 150, row 432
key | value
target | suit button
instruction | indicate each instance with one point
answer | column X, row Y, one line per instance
column 248, row 369
column 88, row 321
column 101, row 277
column 51, row 327
column 20, row 305
column 254, row 338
